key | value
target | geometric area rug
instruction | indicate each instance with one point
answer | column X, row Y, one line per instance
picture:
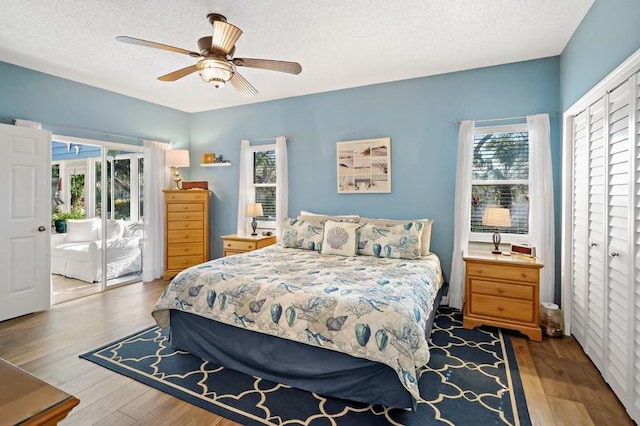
column 471, row 379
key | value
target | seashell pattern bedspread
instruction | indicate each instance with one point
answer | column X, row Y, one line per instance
column 365, row 306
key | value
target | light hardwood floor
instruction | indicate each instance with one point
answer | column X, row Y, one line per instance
column 562, row 387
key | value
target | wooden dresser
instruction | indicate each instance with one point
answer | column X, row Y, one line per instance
column 233, row 244
column 186, row 229
column 503, row 291
column 27, row 400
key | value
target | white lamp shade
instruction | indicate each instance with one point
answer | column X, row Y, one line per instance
column 254, row 210
column 177, row 158
column 496, row 216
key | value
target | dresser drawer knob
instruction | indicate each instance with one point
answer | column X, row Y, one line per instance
column 500, row 290
column 500, row 308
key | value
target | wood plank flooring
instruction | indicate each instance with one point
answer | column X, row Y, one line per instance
column 562, row 386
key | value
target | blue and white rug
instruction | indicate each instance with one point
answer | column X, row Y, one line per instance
column 471, row 379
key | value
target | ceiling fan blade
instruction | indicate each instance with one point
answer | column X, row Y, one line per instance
column 178, row 74
column 243, row 87
column 269, row 64
column 146, row 43
column 225, row 36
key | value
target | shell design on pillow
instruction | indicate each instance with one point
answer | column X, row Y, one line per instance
column 337, row 237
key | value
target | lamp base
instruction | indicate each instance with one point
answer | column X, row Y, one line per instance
column 254, row 225
column 496, row 241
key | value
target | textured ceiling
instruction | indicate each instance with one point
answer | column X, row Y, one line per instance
column 339, row 43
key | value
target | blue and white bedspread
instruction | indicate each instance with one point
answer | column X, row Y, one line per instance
column 365, row 306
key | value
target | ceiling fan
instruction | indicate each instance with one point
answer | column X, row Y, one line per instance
column 217, row 65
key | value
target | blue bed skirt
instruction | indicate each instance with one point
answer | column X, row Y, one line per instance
column 302, row 366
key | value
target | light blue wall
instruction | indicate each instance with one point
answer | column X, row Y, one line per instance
column 421, row 117
column 609, row 33
column 63, row 104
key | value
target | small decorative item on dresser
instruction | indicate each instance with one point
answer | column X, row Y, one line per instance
column 195, row 184
column 524, row 250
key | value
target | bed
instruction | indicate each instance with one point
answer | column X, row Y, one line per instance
column 352, row 327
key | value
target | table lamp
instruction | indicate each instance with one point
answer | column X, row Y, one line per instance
column 254, row 210
column 177, row 158
column 496, row 217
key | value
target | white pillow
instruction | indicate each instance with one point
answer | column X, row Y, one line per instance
column 340, row 238
column 80, row 230
column 132, row 229
column 115, row 229
column 306, row 213
column 425, row 244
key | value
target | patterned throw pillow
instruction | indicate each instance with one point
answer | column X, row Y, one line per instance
column 340, row 238
column 425, row 245
column 302, row 234
column 396, row 241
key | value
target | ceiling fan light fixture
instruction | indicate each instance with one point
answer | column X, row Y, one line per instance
column 215, row 72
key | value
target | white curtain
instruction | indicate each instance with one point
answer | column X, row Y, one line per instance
column 462, row 213
column 541, row 224
column 282, row 186
column 245, row 188
column 156, row 178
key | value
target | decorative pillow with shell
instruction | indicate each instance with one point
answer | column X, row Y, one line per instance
column 340, row 238
column 302, row 234
column 400, row 241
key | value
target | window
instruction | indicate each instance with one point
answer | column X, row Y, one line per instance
column 501, row 179
column 264, row 184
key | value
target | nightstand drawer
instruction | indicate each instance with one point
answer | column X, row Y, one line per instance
column 502, row 272
column 185, row 236
column 498, row 307
column 184, row 249
column 182, row 262
column 195, row 216
column 239, row 245
column 493, row 288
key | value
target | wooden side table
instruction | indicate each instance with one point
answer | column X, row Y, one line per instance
column 27, row 400
column 503, row 291
column 234, row 244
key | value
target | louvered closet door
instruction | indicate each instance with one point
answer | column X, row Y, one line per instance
column 580, row 225
column 619, row 302
column 595, row 341
column 636, row 244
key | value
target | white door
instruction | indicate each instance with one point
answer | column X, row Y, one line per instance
column 620, row 290
column 25, row 220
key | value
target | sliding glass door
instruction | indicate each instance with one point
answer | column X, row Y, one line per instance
column 97, row 199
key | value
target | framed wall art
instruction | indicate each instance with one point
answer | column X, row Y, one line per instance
column 364, row 166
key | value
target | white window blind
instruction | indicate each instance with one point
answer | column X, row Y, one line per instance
column 500, row 177
column 264, row 182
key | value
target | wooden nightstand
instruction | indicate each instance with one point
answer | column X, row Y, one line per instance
column 233, row 244
column 503, row 291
